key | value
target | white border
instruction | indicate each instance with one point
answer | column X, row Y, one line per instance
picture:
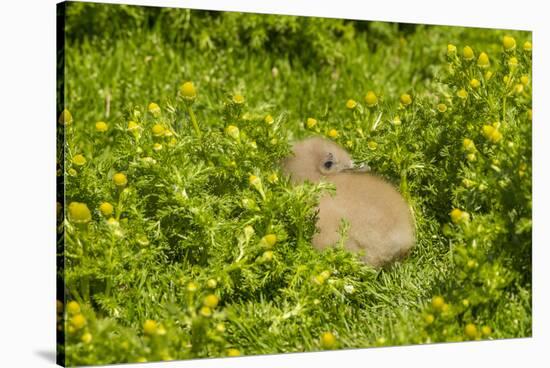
column 27, row 183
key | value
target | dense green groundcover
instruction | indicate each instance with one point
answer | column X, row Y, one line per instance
column 184, row 241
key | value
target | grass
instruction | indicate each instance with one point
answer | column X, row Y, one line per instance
column 189, row 223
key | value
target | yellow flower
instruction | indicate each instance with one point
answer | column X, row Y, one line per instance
column 351, row 104
column 150, row 327
column 442, row 107
column 65, row 118
column 269, row 240
column 451, row 50
column 483, row 60
column 458, row 216
column 233, row 132
column 471, row 157
column 429, row 319
column 268, row 119
column 158, row 130
column 273, row 178
column 188, row 92
column 101, row 127
column 438, row 302
column 133, row 126
column 238, row 99
column 468, row 53
column 333, row 133
column 396, row 120
column 220, row 327
column 73, row 307
column 267, row 256
column 205, row 311
column 79, row 213
column 211, row 301
column 120, row 180
column 371, row 99
column 509, row 43
column 86, row 338
column 527, row 46
column 211, row 283
column 474, row 83
column 78, row 321
column 486, row 330
column 518, row 88
column 488, row 74
column 470, row 331
column 328, row 340
column 79, row 160
column 512, row 62
column 157, row 147
column 405, row 99
column 491, row 133
column 468, row 145
column 154, row 109
column 372, row 145
column 524, row 79
column 106, row 209
column 462, row 94
column 310, row 123
column 192, row 287
column 233, row 352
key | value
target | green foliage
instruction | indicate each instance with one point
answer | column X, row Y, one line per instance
column 207, row 250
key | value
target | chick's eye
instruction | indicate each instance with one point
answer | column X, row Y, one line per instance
column 328, row 164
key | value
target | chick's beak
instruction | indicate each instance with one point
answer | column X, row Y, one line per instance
column 357, row 167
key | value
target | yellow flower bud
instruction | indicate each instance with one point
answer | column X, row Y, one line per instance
column 120, row 180
column 268, row 119
column 458, row 216
column 238, row 99
column 101, row 127
column 65, row 118
column 211, row 301
column 333, row 133
column 351, row 104
column 527, row 46
column 233, row 132
column 79, row 160
column 442, row 107
column 509, row 43
column 79, row 213
column 188, row 92
column 524, row 80
column 451, row 50
column 269, row 240
column 310, row 123
column 78, row 321
column 474, row 83
column 86, row 338
column 470, row 331
column 468, row 53
column 512, row 62
column 233, row 352
column 438, row 302
column 106, row 209
column 370, row 99
column 205, row 311
column 328, row 340
column 462, row 94
column 150, row 327
column 468, row 145
column 491, row 133
column 158, row 130
column 405, row 99
column 154, row 109
column 73, row 307
column 486, row 330
column 483, row 60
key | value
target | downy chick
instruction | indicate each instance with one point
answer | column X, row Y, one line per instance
column 381, row 224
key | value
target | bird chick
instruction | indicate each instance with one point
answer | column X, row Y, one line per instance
column 381, row 224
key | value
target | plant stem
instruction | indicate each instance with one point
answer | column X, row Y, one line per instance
column 193, row 120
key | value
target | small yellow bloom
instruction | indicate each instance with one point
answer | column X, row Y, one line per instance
column 333, row 133
column 205, row 311
column 310, row 123
column 468, row 53
column 86, row 338
column 106, row 209
column 518, row 88
column 328, row 340
column 79, row 160
column 233, row 352
column 513, row 62
column 491, row 133
column 101, row 127
column 188, row 92
column 474, row 83
column 462, row 94
column 79, row 213
column 233, row 132
column 451, row 50
column 351, row 104
column 211, row 301
column 438, row 302
column 468, row 145
column 73, row 307
column 120, row 180
column 471, row 157
column 486, row 330
column 488, row 74
column 65, row 118
column 158, row 130
column 483, row 60
column 211, row 283
column 267, row 256
column 273, row 178
column 470, row 331
column 154, row 109
column 442, row 107
column 370, row 99
column 157, row 147
column 238, row 99
column 524, row 80
column 458, row 216
column 405, row 99
column 372, row 145
column 429, row 319
column 220, row 327
column 150, row 327
column 268, row 119
column 133, row 126
column 192, row 287
column 509, row 43
column 78, row 321
column 527, row 46
column 269, row 240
